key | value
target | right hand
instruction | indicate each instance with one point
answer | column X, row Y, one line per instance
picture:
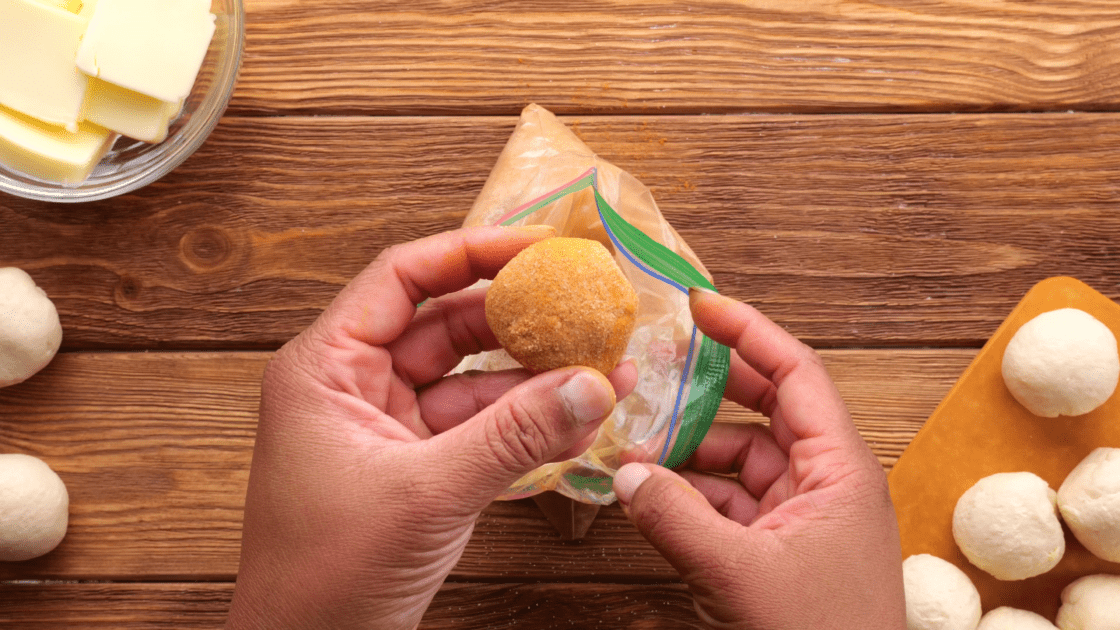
column 804, row 535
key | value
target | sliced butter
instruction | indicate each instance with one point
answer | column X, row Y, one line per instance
column 69, row 5
column 154, row 47
column 51, row 153
column 128, row 113
column 38, row 77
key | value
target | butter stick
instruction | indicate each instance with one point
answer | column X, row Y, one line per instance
column 154, row 48
column 51, row 153
column 38, row 77
column 128, row 113
column 72, row 6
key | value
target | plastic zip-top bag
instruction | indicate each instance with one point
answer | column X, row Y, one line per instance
column 546, row 175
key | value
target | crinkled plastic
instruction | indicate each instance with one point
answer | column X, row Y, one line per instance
column 546, row 175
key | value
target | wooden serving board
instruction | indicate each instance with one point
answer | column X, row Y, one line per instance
column 979, row 430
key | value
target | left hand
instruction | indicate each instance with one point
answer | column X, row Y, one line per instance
column 371, row 465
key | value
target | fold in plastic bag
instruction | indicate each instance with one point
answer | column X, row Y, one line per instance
column 546, row 175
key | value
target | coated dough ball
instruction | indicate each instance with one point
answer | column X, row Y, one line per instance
column 30, row 333
column 1008, row 618
column 561, row 302
column 939, row 596
column 1007, row 524
column 1063, row 362
column 1089, row 500
column 1091, row 603
column 33, row 508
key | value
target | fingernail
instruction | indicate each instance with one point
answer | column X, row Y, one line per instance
column 697, row 293
column 627, row 480
column 588, row 396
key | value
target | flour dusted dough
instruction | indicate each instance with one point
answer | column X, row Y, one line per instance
column 1091, row 603
column 1089, row 500
column 34, row 507
column 30, row 333
column 939, row 596
column 1063, row 362
column 1008, row 618
column 1007, row 524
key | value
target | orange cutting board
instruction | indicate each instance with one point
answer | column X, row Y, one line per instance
column 979, row 430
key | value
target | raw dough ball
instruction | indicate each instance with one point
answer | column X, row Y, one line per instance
column 1089, row 500
column 29, row 329
column 1091, row 603
column 33, row 508
column 1063, row 362
column 561, row 302
column 939, row 596
column 1007, row 524
column 1008, row 618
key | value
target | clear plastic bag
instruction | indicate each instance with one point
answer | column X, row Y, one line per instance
column 546, row 175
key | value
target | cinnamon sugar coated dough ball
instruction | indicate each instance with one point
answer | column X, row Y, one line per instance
column 1008, row 618
column 939, row 596
column 1007, row 524
column 1091, row 603
column 561, row 302
column 1089, row 500
column 1063, row 362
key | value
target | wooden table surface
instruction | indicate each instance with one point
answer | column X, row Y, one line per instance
column 885, row 178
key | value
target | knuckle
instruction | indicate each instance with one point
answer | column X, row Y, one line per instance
column 812, row 355
column 517, row 437
column 768, row 401
column 661, row 502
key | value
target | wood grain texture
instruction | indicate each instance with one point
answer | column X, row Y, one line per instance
column 658, row 56
column 848, row 230
column 458, row 606
column 169, row 606
column 155, row 451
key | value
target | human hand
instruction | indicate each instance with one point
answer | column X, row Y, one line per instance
column 804, row 535
column 370, row 465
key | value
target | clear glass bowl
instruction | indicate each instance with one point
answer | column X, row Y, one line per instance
column 132, row 164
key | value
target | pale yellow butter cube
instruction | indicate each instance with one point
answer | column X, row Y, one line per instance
column 128, row 113
column 72, row 6
column 38, row 77
column 51, row 153
column 154, row 47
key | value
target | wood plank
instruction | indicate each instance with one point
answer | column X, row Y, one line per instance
column 48, row 606
column 848, row 230
column 458, row 606
column 155, row 451
column 658, row 56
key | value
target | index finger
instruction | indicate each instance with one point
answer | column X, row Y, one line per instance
column 803, row 399
column 377, row 305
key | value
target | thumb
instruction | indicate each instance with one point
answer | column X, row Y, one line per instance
column 530, row 425
column 674, row 517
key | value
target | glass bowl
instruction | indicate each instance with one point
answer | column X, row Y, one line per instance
column 132, row 164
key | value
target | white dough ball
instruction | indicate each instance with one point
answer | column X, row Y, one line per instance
column 939, row 596
column 30, row 332
column 1007, row 524
column 1063, row 362
column 1091, row 603
column 1089, row 500
column 34, row 508
column 1008, row 618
